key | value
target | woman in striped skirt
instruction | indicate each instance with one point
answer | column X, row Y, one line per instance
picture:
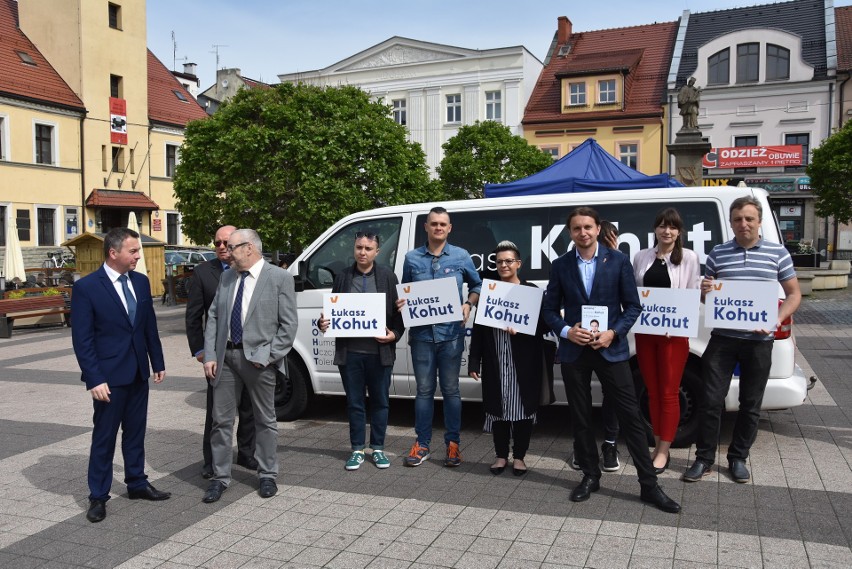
column 511, row 366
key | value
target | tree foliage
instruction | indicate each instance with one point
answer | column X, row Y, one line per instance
column 291, row 160
column 830, row 171
column 486, row 153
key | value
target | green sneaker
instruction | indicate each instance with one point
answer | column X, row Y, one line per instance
column 354, row 462
column 380, row 460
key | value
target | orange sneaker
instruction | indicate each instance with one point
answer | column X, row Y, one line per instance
column 453, row 454
column 417, row 455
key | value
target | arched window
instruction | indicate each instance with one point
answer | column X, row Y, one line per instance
column 719, row 68
column 777, row 62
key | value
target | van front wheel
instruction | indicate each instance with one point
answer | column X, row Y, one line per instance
column 291, row 393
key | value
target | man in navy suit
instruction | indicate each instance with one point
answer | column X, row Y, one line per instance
column 593, row 274
column 115, row 336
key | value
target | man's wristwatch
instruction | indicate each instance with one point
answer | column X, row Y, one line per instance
column 468, row 303
column 614, row 334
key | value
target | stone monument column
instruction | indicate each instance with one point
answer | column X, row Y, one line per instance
column 689, row 146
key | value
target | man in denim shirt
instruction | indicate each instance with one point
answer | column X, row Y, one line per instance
column 436, row 349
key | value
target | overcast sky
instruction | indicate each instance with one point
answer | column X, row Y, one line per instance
column 264, row 38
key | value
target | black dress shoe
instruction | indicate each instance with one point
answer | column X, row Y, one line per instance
column 659, row 471
column 697, row 471
column 657, row 497
column 97, row 511
column 148, row 493
column 268, row 488
column 519, row 471
column 207, row 472
column 739, row 472
column 583, row 490
column 249, row 462
column 214, row 492
column 497, row 470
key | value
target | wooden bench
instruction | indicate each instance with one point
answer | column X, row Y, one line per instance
column 28, row 307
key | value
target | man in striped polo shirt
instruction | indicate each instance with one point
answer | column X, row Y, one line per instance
column 746, row 257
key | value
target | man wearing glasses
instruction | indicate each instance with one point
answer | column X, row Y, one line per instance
column 250, row 329
column 436, row 349
column 205, row 280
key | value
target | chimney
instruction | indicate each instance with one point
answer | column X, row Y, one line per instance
column 563, row 31
column 190, row 68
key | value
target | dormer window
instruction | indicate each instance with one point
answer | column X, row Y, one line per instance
column 777, row 62
column 719, row 68
column 577, row 94
column 606, row 91
column 748, row 62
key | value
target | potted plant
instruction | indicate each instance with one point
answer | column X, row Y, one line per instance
column 805, row 254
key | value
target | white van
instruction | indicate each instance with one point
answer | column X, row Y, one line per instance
column 537, row 225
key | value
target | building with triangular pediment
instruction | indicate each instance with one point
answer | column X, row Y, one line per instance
column 433, row 89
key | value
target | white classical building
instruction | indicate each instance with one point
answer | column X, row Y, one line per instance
column 433, row 89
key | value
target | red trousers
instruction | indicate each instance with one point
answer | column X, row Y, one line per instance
column 661, row 361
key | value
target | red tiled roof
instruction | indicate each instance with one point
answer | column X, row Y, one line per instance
column 643, row 50
column 252, row 84
column 120, row 198
column 164, row 106
column 843, row 29
column 38, row 82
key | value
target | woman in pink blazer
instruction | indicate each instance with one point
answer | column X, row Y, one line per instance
column 663, row 358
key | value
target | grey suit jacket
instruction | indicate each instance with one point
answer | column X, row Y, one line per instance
column 270, row 323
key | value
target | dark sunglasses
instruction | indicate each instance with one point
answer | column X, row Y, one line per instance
column 220, row 243
column 368, row 235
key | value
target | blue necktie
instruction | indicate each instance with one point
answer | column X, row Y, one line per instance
column 128, row 296
column 237, row 311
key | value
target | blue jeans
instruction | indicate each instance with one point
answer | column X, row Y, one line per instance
column 437, row 361
column 362, row 374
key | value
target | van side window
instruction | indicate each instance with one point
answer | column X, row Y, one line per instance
column 336, row 253
column 539, row 231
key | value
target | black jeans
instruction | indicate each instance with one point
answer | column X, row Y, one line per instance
column 245, row 428
column 519, row 431
column 718, row 363
column 617, row 381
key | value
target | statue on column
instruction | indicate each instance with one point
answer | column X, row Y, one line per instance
column 687, row 102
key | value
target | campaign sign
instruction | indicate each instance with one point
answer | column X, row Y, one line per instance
column 742, row 305
column 430, row 302
column 672, row 311
column 505, row 305
column 594, row 318
column 355, row 315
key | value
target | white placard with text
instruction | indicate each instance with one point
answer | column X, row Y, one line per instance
column 672, row 311
column 742, row 305
column 505, row 305
column 594, row 318
column 430, row 302
column 354, row 315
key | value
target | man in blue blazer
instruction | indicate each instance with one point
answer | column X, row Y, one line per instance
column 114, row 334
column 592, row 274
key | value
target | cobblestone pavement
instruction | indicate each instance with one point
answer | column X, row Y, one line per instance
column 796, row 512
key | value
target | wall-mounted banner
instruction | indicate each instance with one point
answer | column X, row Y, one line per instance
column 354, row 315
column 742, row 305
column 505, row 305
column 430, row 302
column 672, row 311
column 753, row 156
column 117, row 120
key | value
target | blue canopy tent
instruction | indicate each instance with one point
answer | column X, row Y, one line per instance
column 587, row 168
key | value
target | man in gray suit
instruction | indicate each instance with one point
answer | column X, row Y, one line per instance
column 250, row 329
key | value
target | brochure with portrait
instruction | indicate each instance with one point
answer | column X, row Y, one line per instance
column 594, row 318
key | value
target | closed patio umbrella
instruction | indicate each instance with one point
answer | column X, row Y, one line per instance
column 141, row 268
column 13, row 262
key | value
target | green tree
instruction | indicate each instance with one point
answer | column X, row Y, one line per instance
column 830, row 171
column 486, row 153
column 291, row 160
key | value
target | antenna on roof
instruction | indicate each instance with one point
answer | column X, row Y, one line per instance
column 216, row 47
column 174, row 51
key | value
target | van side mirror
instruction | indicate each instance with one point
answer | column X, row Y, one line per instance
column 299, row 283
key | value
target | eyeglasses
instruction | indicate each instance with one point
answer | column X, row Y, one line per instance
column 232, row 247
column 505, row 262
column 367, row 235
column 220, row 243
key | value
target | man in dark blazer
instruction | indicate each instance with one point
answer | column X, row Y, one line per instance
column 114, row 337
column 205, row 280
column 250, row 329
column 593, row 274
